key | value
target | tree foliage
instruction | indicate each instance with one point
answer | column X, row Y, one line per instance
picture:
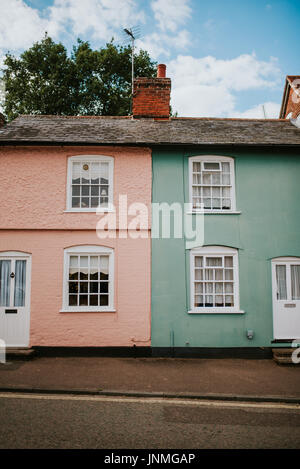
column 45, row 80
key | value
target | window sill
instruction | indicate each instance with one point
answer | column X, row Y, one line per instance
column 73, row 310
column 90, row 210
column 213, row 212
column 216, row 311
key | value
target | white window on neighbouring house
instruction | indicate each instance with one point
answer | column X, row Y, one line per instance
column 288, row 280
column 90, row 183
column 88, row 279
column 211, row 183
column 214, row 279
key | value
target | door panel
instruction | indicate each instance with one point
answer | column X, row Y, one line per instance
column 286, row 298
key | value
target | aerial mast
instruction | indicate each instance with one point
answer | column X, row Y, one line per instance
column 132, row 38
column 133, row 34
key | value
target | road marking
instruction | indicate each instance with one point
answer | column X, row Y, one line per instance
column 150, row 400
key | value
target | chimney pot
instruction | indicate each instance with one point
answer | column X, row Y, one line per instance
column 161, row 71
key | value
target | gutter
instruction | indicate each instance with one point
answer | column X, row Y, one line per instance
column 151, row 144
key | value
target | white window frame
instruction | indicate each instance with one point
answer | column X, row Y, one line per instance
column 213, row 159
column 90, row 159
column 287, row 262
column 88, row 250
column 217, row 251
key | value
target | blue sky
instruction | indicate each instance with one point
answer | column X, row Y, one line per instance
column 225, row 58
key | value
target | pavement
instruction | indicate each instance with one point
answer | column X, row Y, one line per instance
column 223, row 379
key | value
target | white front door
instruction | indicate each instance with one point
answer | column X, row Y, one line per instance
column 286, row 297
column 15, row 271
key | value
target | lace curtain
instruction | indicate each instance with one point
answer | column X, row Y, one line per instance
column 295, row 282
column 281, row 282
column 5, row 282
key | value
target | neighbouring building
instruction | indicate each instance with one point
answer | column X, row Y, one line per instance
column 61, row 285
column 290, row 106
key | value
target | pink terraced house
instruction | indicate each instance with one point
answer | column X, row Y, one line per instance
column 61, row 285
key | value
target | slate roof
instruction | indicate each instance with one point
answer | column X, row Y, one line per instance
column 127, row 131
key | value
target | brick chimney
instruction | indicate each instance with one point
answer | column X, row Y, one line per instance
column 151, row 96
column 291, row 98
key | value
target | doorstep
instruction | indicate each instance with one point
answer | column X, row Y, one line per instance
column 19, row 352
column 283, row 356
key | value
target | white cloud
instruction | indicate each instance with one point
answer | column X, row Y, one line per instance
column 240, row 73
column 202, row 101
column 181, row 39
column 100, row 18
column 154, row 45
column 206, row 86
column 170, row 14
column 20, row 25
column 158, row 44
column 257, row 112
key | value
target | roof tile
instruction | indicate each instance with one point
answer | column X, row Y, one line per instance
column 125, row 130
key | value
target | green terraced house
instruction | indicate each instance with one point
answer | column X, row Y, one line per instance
column 239, row 289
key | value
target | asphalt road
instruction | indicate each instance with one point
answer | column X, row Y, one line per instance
column 65, row 421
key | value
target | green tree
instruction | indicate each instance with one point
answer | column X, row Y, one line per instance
column 44, row 80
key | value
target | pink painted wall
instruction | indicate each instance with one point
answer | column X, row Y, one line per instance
column 32, row 219
column 34, row 180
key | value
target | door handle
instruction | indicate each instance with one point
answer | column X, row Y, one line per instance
column 12, row 275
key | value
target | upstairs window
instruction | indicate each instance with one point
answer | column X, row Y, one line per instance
column 90, row 180
column 212, row 183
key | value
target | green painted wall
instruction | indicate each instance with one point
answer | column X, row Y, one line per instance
column 268, row 196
